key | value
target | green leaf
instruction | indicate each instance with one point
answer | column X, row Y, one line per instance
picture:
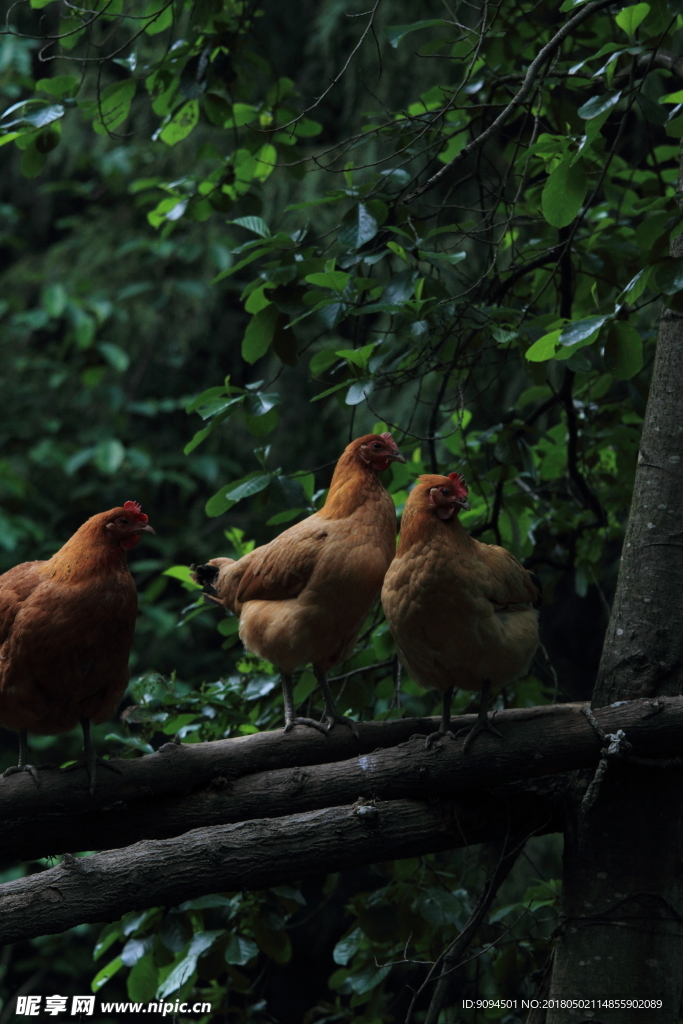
column 285, row 517
column 32, row 162
column 395, row 33
column 335, row 279
column 266, row 159
column 630, row 18
column 544, row 348
column 107, row 937
column 162, row 11
column 597, row 105
column 113, row 107
column 103, row 976
column 240, row 951
column 109, row 456
column 59, row 86
column 359, row 391
column 115, row 356
column 259, row 333
column 581, row 330
column 255, row 224
column 249, row 487
column 184, row 574
column 623, row 350
column 358, row 227
column 181, row 124
column 668, row 276
column 143, row 980
column 322, row 361
column 443, row 257
column 564, row 192
column 347, row 947
column 54, row 299
column 306, row 129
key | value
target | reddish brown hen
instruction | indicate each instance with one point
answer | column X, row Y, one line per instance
column 66, row 629
column 462, row 612
column 303, row 597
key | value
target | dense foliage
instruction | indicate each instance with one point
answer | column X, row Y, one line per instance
column 215, row 273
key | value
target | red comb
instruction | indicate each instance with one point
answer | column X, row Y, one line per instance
column 458, row 479
column 136, row 508
column 386, row 436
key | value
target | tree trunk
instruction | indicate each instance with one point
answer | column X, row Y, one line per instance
column 622, row 936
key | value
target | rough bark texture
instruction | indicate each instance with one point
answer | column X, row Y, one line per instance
column 536, row 742
column 181, row 768
column 623, row 932
column 261, row 853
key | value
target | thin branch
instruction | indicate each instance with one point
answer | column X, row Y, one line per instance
column 534, row 68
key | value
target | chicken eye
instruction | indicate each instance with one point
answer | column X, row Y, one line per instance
column 123, row 522
column 376, row 444
column 445, row 492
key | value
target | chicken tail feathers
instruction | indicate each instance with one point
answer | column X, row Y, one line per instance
column 205, row 576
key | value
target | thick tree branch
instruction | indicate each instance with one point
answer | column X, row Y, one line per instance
column 258, row 854
column 536, row 742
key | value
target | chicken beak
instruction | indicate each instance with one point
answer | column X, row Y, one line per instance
column 143, row 528
column 397, row 457
column 464, row 504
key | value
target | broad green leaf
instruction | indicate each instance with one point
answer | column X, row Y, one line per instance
column 143, row 980
column 347, row 947
column 266, row 159
column 668, row 276
column 597, row 105
column 59, row 86
column 182, row 573
column 107, row 972
column 255, row 224
column 359, row 227
column 114, row 106
column 181, row 124
column 322, row 361
column 249, row 487
column 335, row 279
column 161, row 12
column 395, row 33
column 581, row 330
column 285, row 517
column 306, row 129
column 240, row 951
column 630, row 18
column 623, row 350
column 450, row 258
column 564, row 192
column 109, row 456
column 54, row 299
column 115, row 356
column 259, row 333
column 359, row 391
column 32, row 162
column 544, row 348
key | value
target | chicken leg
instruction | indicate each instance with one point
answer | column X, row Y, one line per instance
column 445, row 727
column 23, row 765
column 291, row 718
column 331, row 710
column 483, row 722
column 90, row 760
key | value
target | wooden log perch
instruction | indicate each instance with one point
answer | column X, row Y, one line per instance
column 261, row 853
column 536, row 742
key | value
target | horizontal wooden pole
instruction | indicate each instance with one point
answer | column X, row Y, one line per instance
column 262, row 853
column 536, row 742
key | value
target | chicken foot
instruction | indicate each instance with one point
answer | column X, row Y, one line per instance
column 445, row 727
column 331, row 710
column 23, row 765
column 291, row 718
column 90, row 760
column 483, row 722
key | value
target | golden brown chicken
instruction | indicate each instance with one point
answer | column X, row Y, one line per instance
column 462, row 612
column 66, row 629
column 303, row 597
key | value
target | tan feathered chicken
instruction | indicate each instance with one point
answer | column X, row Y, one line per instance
column 66, row 629
column 303, row 597
column 462, row 612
